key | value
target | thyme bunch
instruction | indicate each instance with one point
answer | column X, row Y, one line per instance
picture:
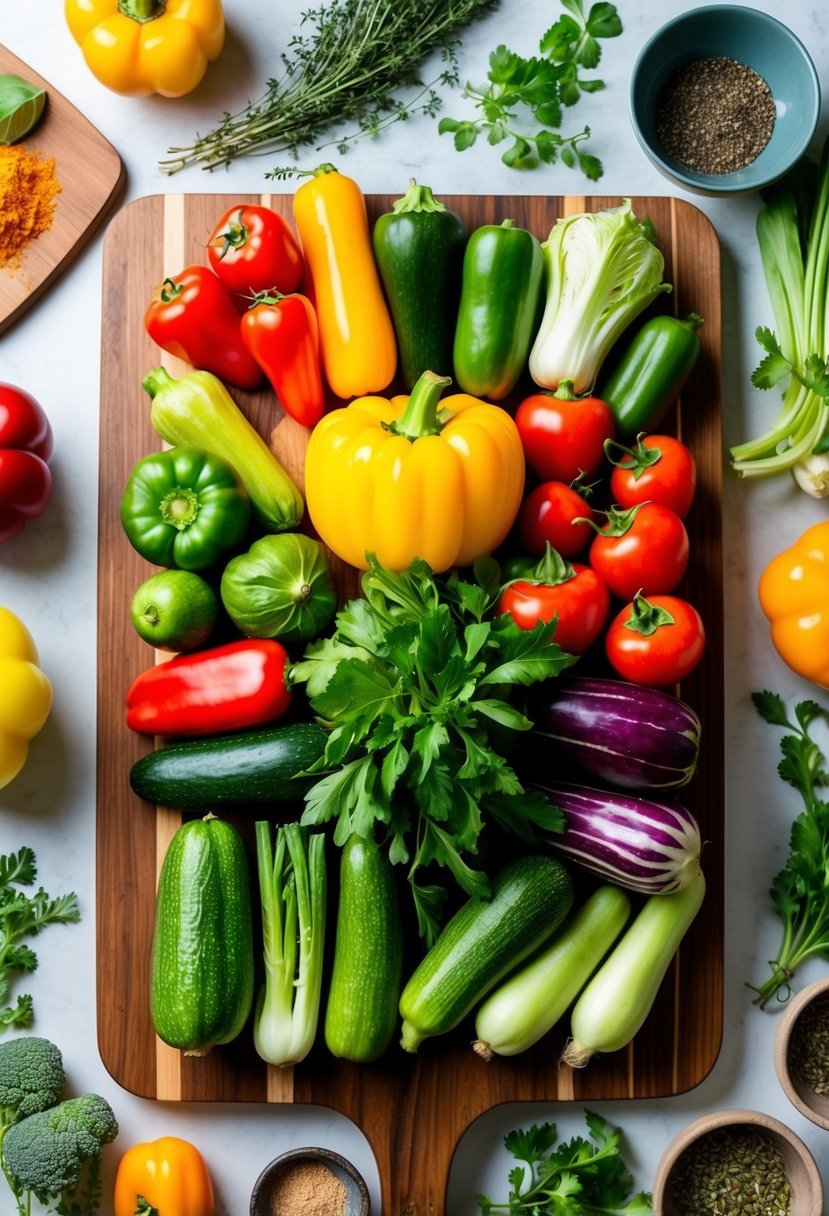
column 348, row 62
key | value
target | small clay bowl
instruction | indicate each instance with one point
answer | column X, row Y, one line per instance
column 357, row 1199
column 801, row 1095
column 803, row 1176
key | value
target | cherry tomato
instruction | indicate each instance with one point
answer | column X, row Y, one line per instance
column 549, row 514
column 658, row 469
column 25, row 448
column 655, row 641
column 580, row 599
column 254, row 249
column 642, row 549
column 564, row 436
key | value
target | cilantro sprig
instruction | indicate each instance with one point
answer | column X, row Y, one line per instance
column 800, row 892
column 416, row 686
column 524, row 98
column 582, row 1177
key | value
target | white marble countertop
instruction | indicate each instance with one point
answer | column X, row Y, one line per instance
column 48, row 576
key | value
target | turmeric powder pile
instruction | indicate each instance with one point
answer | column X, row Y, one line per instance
column 28, row 193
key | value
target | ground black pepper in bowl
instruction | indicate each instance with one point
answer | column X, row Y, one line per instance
column 731, row 1171
column 715, row 115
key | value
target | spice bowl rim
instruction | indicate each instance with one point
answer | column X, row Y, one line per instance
column 764, row 169
column 782, row 1040
column 806, row 1200
column 309, row 1153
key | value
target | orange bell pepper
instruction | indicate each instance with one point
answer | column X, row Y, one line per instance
column 794, row 595
column 166, row 1177
column 357, row 342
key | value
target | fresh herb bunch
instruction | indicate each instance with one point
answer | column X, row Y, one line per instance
column 416, row 683
column 520, row 92
column 349, row 62
column 582, row 1177
column 24, row 915
column 800, row 892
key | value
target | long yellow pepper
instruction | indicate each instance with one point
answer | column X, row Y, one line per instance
column 357, row 343
column 25, row 695
column 400, row 480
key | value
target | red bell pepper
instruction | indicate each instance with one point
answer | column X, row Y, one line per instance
column 254, row 249
column 226, row 688
column 281, row 333
column 193, row 316
column 25, row 448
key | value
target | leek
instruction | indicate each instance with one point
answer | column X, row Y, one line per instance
column 292, row 888
column 603, row 270
column 793, row 236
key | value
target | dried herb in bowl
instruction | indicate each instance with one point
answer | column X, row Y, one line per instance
column 808, row 1056
column 736, row 1171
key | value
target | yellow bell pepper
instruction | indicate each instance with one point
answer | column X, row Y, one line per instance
column 165, row 1177
column 25, row 695
column 794, row 595
column 401, row 480
column 140, row 47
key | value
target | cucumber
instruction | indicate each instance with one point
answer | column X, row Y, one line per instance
column 201, row 986
column 361, row 1014
column 483, row 941
column 257, row 767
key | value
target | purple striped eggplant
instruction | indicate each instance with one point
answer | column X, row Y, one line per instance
column 630, row 736
column 646, row 846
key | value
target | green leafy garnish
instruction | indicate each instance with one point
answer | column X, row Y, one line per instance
column 800, row 892
column 24, row 915
column 582, row 1177
column 416, row 685
column 523, row 99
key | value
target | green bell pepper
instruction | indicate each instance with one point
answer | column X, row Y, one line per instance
column 651, row 372
column 418, row 246
column 503, row 269
column 184, row 507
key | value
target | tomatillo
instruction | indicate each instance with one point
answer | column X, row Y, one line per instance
column 184, row 507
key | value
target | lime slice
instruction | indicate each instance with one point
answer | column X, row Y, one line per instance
column 21, row 106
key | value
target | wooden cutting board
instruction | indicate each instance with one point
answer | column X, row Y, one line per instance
column 91, row 176
column 412, row 1109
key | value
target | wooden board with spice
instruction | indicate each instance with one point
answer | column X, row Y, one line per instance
column 412, row 1109
column 56, row 186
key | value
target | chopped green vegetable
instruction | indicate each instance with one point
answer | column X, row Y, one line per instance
column 21, row 107
column 793, row 235
column 800, row 892
column 416, row 683
column 23, row 915
column 582, row 1177
column 523, row 92
column 351, row 65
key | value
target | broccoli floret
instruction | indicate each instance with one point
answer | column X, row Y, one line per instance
column 46, row 1152
column 31, row 1078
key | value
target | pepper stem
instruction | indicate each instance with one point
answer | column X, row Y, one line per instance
column 142, row 10
column 179, row 507
column 421, row 414
column 156, row 380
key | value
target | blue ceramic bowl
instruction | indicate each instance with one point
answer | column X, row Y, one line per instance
column 754, row 39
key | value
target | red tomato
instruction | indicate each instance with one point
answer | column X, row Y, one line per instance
column 564, row 437
column 581, row 601
column 25, row 448
column 254, row 249
column 643, row 549
column 659, row 469
column 657, row 641
column 548, row 515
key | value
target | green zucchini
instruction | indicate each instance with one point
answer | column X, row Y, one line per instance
column 201, row 987
column 483, row 941
column 257, row 767
column 361, row 1014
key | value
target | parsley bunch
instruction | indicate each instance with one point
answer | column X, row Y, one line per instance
column 582, row 1177
column 415, row 684
column 521, row 93
column 800, row 892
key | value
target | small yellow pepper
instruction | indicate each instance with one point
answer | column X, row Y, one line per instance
column 25, row 695
column 794, row 595
column 140, row 47
column 400, row 479
column 165, row 1177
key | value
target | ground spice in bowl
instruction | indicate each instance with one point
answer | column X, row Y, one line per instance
column 715, row 115
column 28, row 194
column 737, row 1171
column 808, row 1055
column 307, row 1188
